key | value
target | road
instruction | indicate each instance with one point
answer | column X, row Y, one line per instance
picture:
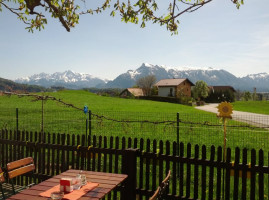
column 254, row 119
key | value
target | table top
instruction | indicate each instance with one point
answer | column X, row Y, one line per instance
column 107, row 182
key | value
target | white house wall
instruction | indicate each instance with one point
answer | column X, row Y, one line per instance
column 165, row 91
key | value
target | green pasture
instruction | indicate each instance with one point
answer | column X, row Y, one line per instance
column 112, row 116
column 261, row 107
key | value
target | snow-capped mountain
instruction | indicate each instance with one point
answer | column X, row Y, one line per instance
column 68, row 79
column 211, row 76
column 259, row 81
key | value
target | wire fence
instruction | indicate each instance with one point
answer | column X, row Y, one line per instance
column 248, row 131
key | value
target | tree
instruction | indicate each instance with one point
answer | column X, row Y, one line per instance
column 146, row 83
column 247, row 95
column 31, row 12
column 200, row 90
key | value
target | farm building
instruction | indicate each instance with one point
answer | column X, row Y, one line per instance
column 132, row 92
column 220, row 93
column 221, row 88
column 174, row 87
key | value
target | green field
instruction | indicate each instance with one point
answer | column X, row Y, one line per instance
column 113, row 116
column 261, row 107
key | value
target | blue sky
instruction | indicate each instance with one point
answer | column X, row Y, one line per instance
column 217, row 35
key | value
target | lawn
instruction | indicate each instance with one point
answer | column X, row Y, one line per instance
column 261, row 107
column 112, row 116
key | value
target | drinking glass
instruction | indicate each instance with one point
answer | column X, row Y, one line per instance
column 57, row 195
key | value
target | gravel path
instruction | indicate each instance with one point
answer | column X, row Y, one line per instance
column 258, row 120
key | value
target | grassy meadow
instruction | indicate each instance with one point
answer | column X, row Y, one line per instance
column 261, row 107
column 133, row 118
column 112, row 116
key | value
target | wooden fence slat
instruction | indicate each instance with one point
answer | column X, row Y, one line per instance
column 111, row 145
column 228, row 177
column 161, row 163
column 196, row 174
column 63, row 154
column 219, row 178
column 188, row 178
column 58, row 155
column 203, row 175
column 99, row 154
column 154, row 166
column 181, row 170
column 244, row 174
column 141, row 168
column 253, row 174
column 105, row 155
column 147, row 165
column 93, row 154
column 73, row 152
column 48, row 155
column 211, row 174
column 174, row 170
column 83, row 153
column 261, row 176
column 236, row 173
column 167, row 165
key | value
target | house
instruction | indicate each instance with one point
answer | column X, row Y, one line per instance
column 221, row 88
column 132, row 92
column 219, row 94
column 174, row 87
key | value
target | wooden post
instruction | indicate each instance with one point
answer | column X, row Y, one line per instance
column 90, row 128
column 129, row 168
column 224, row 141
column 177, row 142
column 17, row 119
column 42, row 120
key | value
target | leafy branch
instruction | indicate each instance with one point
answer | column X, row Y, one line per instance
column 68, row 11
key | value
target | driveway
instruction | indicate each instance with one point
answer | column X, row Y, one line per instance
column 254, row 119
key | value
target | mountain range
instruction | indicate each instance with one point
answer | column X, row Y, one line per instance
column 73, row 80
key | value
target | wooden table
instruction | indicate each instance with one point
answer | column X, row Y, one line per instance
column 107, row 182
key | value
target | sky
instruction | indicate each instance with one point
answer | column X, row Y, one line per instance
column 218, row 36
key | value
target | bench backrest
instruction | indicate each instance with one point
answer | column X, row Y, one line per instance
column 19, row 167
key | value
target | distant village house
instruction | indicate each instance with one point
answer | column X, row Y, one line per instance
column 132, row 92
column 174, row 87
column 221, row 88
column 220, row 93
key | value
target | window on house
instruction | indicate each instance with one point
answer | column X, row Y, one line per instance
column 171, row 92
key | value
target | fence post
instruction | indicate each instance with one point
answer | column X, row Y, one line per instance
column 177, row 142
column 129, row 168
column 86, row 129
column 17, row 120
column 90, row 128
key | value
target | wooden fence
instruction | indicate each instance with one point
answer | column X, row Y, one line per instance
column 197, row 172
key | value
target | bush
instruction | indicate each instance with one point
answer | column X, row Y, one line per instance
column 181, row 100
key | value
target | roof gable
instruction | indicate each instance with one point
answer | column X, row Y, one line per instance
column 223, row 87
column 172, row 82
column 134, row 91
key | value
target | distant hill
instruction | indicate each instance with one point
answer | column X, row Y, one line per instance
column 7, row 85
column 217, row 77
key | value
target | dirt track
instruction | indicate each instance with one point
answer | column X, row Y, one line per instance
column 258, row 120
